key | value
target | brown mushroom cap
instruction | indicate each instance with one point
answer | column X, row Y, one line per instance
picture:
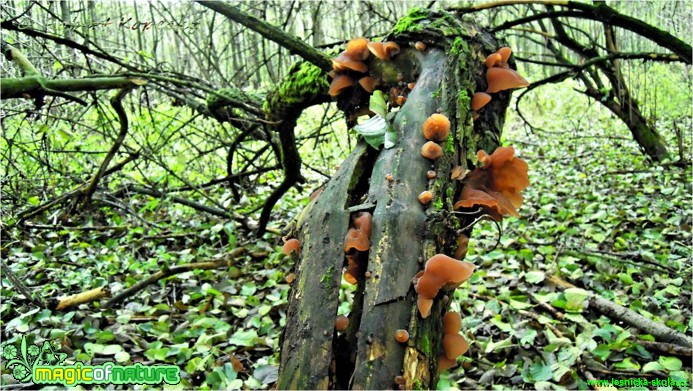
column 431, row 151
column 454, row 345
column 425, row 197
column 492, row 59
column 500, row 79
column 290, row 278
column 344, row 62
column 401, row 100
column 378, row 50
column 411, row 85
column 431, row 174
column 424, row 306
column 369, row 83
column 391, row 48
column 436, row 127
column 341, row 323
column 291, row 246
column 505, row 55
column 442, row 271
column 420, row 46
column 462, row 246
column 354, row 268
column 495, row 206
column 339, row 83
column 452, row 322
column 479, row 100
column 505, row 173
column 445, row 363
column 362, row 221
column 401, row 336
column 358, row 48
column 357, row 240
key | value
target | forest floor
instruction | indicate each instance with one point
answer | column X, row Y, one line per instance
column 597, row 215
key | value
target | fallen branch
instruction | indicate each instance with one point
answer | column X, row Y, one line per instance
column 667, row 348
column 14, row 279
column 82, row 297
column 167, row 272
column 615, row 311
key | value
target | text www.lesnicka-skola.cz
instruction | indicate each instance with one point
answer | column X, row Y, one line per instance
column 638, row 382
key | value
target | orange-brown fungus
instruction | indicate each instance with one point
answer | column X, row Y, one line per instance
column 400, row 380
column 290, row 278
column 496, row 185
column 341, row 323
column 345, row 61
column 339, row 83
column 454, row 345
column 401, row 100
column 431, row 151
column 391, row 48
column 362, row 221
column 492, row 59
column 499, row 79
column 353, row 269
column 358, row 48
column 389, row 177
column 420, row 46
column 445, row 363
column 401, row 336
column 368, row 83
column 479, row 100
column 440, row 271
column 436, row 128
column 357, row 240
column 452, row 322
column 431, row 174
column 378, row 50
column 425, row 197
column 505, row 55
column 462, row 245
column 291, row 246
column 411, row 85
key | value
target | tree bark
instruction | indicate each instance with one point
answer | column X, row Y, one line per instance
column 403, row 234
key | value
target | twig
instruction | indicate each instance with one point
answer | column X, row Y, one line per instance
column 117, row 103
column 667, row 348
column 20, row 285
column 207, row 265
column 632, row 318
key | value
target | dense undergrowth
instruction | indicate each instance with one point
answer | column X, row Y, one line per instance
column 597, row 214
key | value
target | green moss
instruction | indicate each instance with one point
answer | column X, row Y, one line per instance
column 410, row 22
column 458, row 46
column 438, row 204
column 304, row 80
column 417, row 385
column 328, row 277
column 424, row 345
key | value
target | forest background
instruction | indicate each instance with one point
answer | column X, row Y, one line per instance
column 160, row 222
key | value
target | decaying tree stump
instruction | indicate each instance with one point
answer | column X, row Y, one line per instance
column 404, row 233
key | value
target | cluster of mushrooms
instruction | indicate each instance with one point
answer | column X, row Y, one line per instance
column 499, row 77
column 356, row 245
column 350, row 69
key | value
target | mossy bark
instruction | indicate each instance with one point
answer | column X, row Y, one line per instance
column 404, row 233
